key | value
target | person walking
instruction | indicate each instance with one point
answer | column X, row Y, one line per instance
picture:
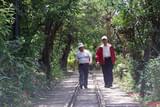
column 84, row 59
column 105, row 56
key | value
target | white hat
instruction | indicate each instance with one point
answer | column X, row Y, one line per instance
column 80, row 45
column 104, row 37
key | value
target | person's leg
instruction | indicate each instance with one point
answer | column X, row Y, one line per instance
column 104, row 68
column 107, row 76
column 109, row 72
column 81, row 76
column 110, row 75
column 86, row 67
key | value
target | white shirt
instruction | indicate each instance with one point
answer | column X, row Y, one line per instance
column 106, row 51
column 84, row 57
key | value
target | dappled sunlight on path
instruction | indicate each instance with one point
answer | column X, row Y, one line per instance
column 114, row 96
column 61, row 95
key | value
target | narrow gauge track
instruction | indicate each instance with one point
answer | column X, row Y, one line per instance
column 90, row 97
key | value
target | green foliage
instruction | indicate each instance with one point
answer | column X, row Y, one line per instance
column 123, row 72
column 151, row 76
column 137, row 26
column 56, row 70
column 72, row 64
column 6, row 19
column 136, row 22
column 19, row 80
column 88, row 23
column 11, row 81
column 37, row 42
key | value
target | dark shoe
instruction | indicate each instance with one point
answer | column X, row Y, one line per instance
column 85, row 87
column 81, row 87
column 110, row 85
column 106, row 86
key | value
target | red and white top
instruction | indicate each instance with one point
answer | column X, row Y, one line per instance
column 105, row 51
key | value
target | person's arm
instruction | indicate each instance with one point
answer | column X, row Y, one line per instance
column 113, row 55
column 97, row 55
column 90, row 57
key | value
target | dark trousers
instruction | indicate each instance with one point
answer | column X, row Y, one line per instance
column 83, row 74
column 107, row 72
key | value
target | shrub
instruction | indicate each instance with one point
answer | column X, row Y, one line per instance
column 19, row 80
column 123, row 72
column 152, row 74
column 72, row 65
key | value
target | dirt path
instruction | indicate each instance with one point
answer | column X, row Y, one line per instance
column 62, row 95
column 114, row 96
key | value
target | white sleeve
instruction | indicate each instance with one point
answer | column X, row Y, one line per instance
column 90, row 56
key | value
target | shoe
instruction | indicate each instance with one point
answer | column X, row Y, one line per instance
column 106, row 86
column 81, row 87
column 110, row 85
column 85, row 87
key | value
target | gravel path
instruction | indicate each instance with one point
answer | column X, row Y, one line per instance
column 63, row 93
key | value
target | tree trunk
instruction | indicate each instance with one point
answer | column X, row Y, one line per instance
column 147, row 53
column 66, row 51
column 149, row 50
column 16, row 25
column 51, row 29
column 155, row 36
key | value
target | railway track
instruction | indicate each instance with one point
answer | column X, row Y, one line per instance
column 69, row 94
column 90, row 97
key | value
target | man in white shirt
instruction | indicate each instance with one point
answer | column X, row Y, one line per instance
column 105, row 56
column 84, row 58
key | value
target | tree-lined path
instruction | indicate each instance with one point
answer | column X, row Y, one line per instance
column 39, row 40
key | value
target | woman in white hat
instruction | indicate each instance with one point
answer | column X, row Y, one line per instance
column 84, row 58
